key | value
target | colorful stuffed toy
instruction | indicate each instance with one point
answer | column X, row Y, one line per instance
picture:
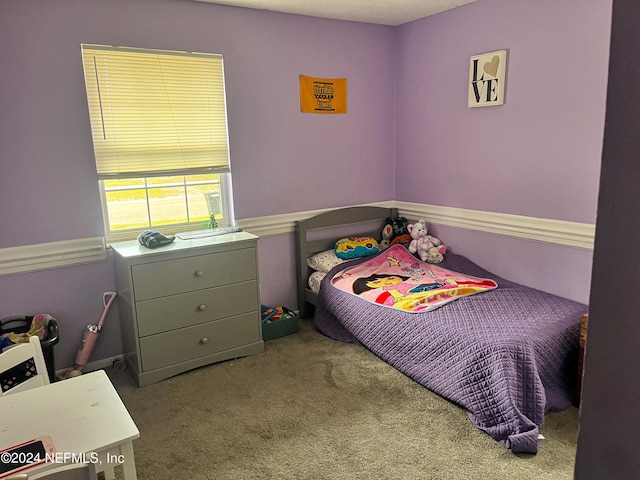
column 387, row 235
column 399, row 226
column 355, row 247
column 429, row 248
column 395, row 231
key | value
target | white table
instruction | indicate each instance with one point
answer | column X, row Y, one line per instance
column 82, row 415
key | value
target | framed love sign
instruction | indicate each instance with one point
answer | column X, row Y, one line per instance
column 487, row 75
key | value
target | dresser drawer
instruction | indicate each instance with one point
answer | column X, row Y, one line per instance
column 188, row 304
column 170, row 277
column 186, row 309
column 170, row 348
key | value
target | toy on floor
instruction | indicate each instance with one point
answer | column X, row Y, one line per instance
column 271, row 314
column 89, row 340
column 427, row 247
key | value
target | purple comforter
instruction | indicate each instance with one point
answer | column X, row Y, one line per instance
column 507, row 356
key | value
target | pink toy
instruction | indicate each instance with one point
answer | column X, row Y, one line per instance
column 429, row 248
column 89, row 340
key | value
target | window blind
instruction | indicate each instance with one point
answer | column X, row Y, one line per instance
column 156, row 112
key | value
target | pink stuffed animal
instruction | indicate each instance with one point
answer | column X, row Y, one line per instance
column 429, row 248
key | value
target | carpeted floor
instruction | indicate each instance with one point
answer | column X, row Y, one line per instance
column 312, row 408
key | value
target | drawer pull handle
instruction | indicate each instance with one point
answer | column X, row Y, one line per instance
column 202, row 307
column 204, row 340
column 199, row 273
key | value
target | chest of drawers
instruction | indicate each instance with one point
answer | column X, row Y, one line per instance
column 188, row 304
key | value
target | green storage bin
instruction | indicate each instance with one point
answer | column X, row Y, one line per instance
column 280, row 327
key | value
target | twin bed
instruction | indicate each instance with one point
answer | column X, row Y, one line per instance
column 506, row 354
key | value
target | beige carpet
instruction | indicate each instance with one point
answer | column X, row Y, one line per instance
column 312, row 408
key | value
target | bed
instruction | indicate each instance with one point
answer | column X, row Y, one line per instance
column 507, row 355
column 311, row 238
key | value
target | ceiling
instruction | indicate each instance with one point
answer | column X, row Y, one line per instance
column 384, row 12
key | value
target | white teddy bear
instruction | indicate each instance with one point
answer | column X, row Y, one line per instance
column 429, row 248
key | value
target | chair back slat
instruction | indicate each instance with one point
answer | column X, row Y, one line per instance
column 22, row 367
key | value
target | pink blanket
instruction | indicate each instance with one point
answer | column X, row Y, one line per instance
column 397, row 279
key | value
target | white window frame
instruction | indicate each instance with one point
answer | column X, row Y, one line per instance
column 226, row 210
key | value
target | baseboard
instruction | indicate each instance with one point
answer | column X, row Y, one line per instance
column 97, row 365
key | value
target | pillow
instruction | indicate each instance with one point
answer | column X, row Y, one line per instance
column 354, row 247
column 324, row 261
column 315, row 279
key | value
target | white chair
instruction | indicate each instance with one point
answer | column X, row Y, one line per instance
column 22, row 367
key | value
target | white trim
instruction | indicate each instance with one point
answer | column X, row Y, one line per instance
column 285, row 223
column 29, row 258
column 113, row 236
column 558, row 232
column 114, row 361
column 44, row 256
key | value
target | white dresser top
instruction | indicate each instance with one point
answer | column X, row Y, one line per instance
column 132, row 249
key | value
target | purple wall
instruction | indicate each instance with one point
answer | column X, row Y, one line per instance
column 537, row 155
column 407, row 110
column 552, row 268
column 282, row 160
column 73, row 296
column 45, row 141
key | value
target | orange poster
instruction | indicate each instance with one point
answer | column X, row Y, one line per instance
column 323, row 95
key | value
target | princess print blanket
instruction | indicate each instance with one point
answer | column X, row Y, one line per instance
column 397, row 279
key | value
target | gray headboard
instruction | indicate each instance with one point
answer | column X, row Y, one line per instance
column 306, row 246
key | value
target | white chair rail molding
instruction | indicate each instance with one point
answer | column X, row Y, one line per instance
column 43, row 256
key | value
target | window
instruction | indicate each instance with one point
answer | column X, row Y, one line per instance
column 159, row 128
